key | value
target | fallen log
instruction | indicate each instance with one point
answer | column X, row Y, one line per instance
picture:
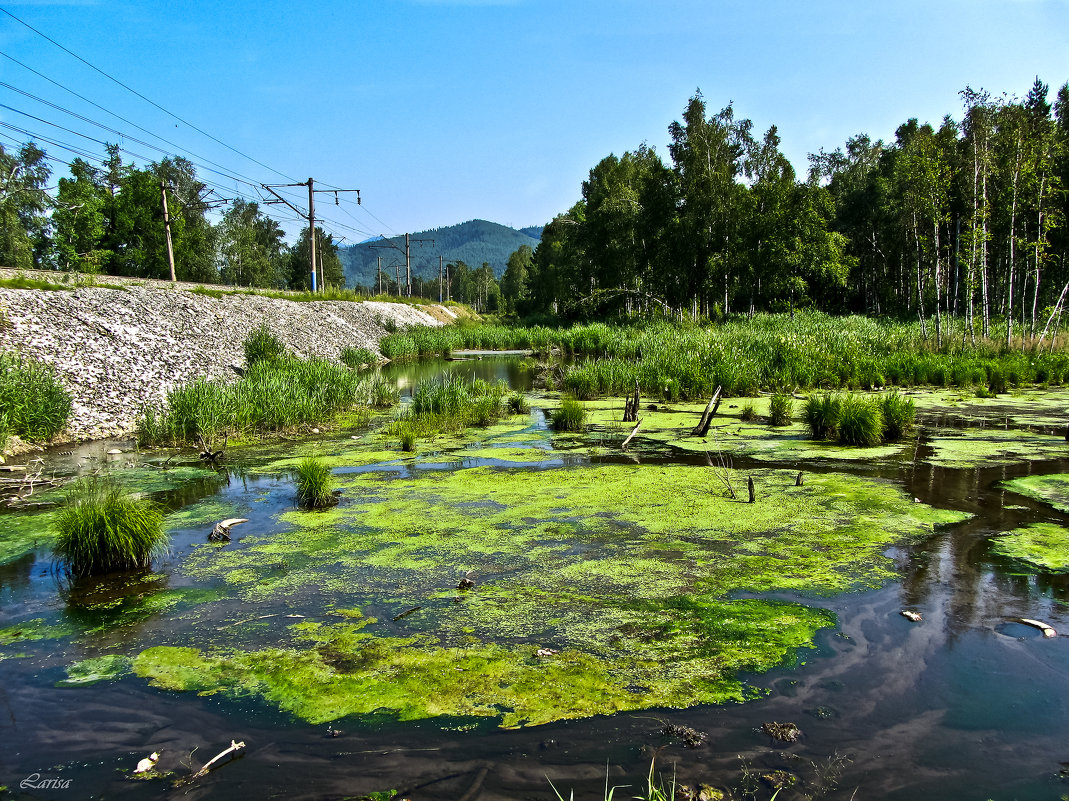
column 702, row 428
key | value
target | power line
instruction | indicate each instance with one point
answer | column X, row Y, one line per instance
column 147, row 100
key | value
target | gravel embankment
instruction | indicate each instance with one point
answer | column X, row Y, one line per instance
column 117, row 350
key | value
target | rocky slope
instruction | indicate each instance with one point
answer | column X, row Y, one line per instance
column 119, row 349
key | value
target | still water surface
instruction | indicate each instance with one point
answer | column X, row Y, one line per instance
column 967, row 705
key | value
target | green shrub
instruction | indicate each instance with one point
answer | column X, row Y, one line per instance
column 780, row 409
column 899, row 415
column 261, row 345
column 570, row 416
column 314, row 483
column 100, row 529
column 358, row 357
column 33, row 403
column 860, row 421
column 822, row 415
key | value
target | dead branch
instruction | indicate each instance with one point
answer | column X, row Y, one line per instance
column 235, row 746
column 631, row 436
column 702, row 428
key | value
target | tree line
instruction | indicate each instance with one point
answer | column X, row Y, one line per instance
column 966, row 220
column 110, row 219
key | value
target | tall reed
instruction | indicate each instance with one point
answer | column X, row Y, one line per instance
column 33, row 403
column 315, row 483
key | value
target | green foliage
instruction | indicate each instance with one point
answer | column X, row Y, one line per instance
column 780, row 409
column 822, row 415
column 899, row 414
column 748, row 412
column 273, row 395
column 358, row 357
column 448, row 405
column 33, row 404
column 22, row 282
column 261, row 345
column 100, row 529
column 570, row 416
column 518, row 404
column 860, row 421
column 314, row 483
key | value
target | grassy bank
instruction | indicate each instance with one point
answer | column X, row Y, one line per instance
column 272, row 396
column 766, row 352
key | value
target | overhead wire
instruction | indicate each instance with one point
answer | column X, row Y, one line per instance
column 223, row 172
column 143, row 97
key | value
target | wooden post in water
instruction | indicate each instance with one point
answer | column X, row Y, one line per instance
column 749, row 486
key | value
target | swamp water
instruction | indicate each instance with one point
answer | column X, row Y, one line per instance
column 654, row 597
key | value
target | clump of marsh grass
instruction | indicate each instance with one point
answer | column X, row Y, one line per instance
column 33, row 404
column 517, row 404
column 358, row 357
column 261, row 345
column 748, row 412
column 569, row 416
column 899, row 415
column 314, row 483
column 860, row 421
column 101, row 529
column 273, row 395
column 780, row 409
column 448, row 405
column 821, row 414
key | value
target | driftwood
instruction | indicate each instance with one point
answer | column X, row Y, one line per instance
column 702, row 428
column 1046, row 628
column 631, row 436
column 235, row 746
column 221, row 532
column 911, row 615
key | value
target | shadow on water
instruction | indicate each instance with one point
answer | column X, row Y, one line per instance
column 969, row 703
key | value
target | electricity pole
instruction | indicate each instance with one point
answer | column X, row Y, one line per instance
column 167, row 227
column 440, row 275
column 311, row 217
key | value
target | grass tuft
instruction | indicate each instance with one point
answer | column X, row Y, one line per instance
column 780, row 409
column 899, row 415
column 570, row 416
column 358, row 357
column 101, row 530
column 822, row 415
column 33, row 404
column 315, row 483
column 860, row 421
column 262, row 346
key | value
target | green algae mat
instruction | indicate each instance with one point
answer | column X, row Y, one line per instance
column 592, row 590
column 1043, row 546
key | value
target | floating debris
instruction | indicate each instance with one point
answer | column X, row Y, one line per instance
column 691, row 738
column 465, row 584
column 148, row 763
column 544, row 652
column 221, row 532
column 911, row 615
column 784, row 732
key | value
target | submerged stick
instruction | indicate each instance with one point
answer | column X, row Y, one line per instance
column 630, row 436
column 234, row 747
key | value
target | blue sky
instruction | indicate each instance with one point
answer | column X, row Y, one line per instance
column 442, row 111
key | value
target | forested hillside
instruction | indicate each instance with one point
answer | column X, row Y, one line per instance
column 474, row 243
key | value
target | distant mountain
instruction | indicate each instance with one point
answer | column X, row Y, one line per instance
column 471, row 242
